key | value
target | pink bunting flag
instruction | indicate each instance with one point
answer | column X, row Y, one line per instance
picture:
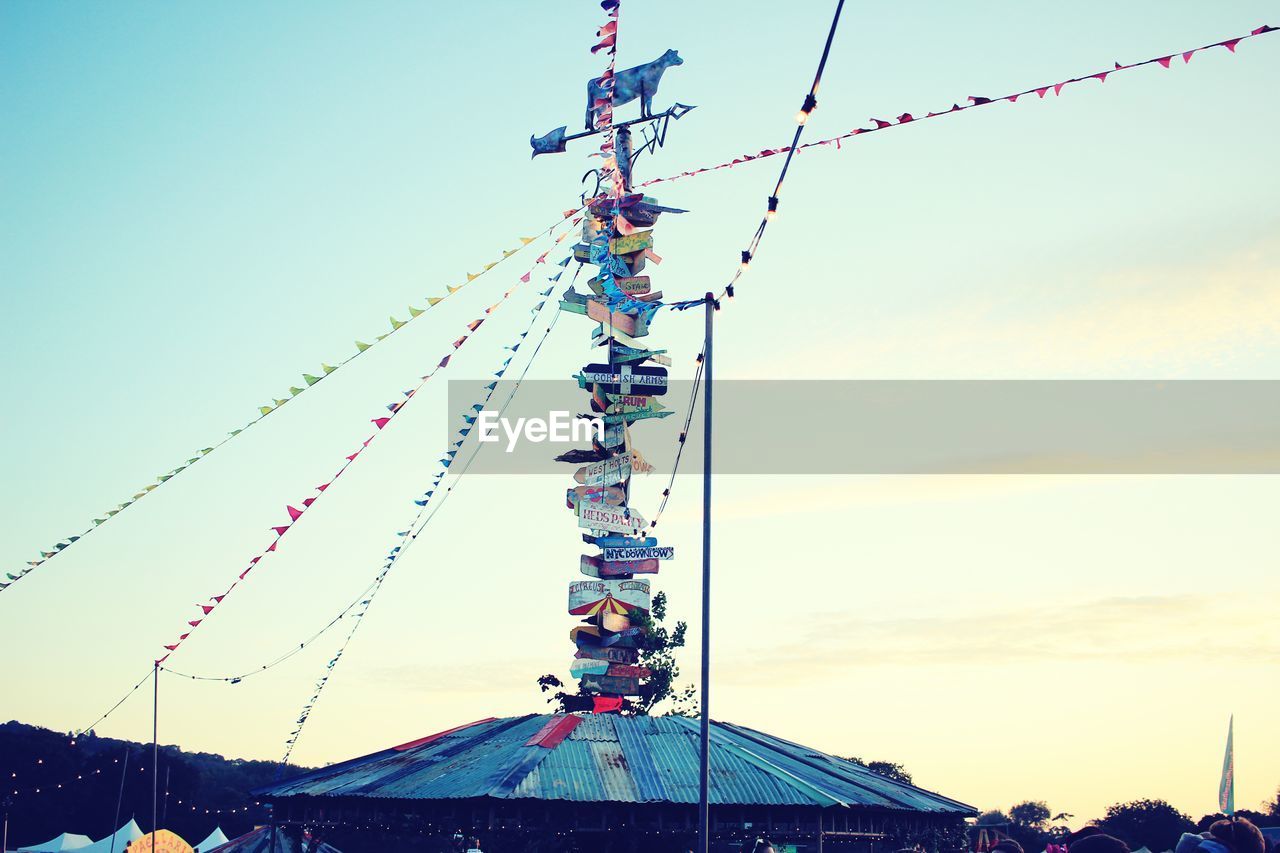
column 163, row 659
column 525, row 278
column 280, row 530
column 1186, row 57
column 351, row 458
column 272, row 546
column 880, row 124
column 308, row 501
column 1013, row 99
column 381, row 422
column 255, row 560
column 322, row 487
column 245, row 572
column 608, row 29
column 1164, row 61
column 1231, row 45
column 294, row 512
column 1262, row 29
column 218, row 598
column 1101, row 76
column 1042, row 92
column 904, row 118
column 207, row 608
column 1057, row 88
column 173, row 647
column 475, row 324
column 459, row 342
column 542, row 259
column 195, row 623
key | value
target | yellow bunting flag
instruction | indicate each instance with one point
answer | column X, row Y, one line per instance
column 414, row 312
column 488, row 267
column 309, row 379
column 472, row 276
column 280, row 403
column 527, row 240
column 432, row 300
column 361, row 347
column 509, row 252
column 295, row 390
column 453, row 289
column 327, row 368
column 395, row 324
column 266, row 410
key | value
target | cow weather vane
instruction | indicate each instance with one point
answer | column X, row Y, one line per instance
column 638, row 83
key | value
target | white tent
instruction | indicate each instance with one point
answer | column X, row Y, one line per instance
column 216, row 838
column 117, row 842
column 65, row 841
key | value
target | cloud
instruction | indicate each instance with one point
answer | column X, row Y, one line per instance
column 1125, row 630
column 1165, row 320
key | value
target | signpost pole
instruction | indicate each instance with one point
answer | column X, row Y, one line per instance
column 704, row 822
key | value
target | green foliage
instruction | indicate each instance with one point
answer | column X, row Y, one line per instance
column 657, row 651
column 994, row 817
column 1146, row 823
column 1273, row 807
column 891, row 769
column 1031, row 814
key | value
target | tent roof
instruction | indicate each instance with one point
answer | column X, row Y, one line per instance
column 129, row 832
column 65, row 841
column 215, row 838
column 611, row 758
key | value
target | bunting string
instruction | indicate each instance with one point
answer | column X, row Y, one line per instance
column 973, row 102
column 309, row 380
column 427, row 507
column 295, row 513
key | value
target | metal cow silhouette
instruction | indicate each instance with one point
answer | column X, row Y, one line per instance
column 639, row 82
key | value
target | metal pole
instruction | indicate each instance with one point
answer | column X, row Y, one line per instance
column 115, row 824
column 704, row 817
column 155, row 753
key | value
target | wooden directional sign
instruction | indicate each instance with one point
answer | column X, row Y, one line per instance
column 611, row 495
column 636, row 262
column 592, row 636
column 620, row 541
column 612, row 685
column 631, row 414
column 603, row 335
column 595, row 567
column 622, row 670
column 628, row 399
column 613, row 623
column 585, row 666
column 624, row 353
column 617, row 519
column 632, row 553
column 605, row 473
column 632, row 286
column 625, row 379
column 636, row 242
column 614, row 654
column 589, row 598
column 628, row 324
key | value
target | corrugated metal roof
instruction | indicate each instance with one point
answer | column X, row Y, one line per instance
column 610, row 758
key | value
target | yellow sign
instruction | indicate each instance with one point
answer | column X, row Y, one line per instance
column 165, row 842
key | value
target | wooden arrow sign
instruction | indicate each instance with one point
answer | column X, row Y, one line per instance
column 622, row 353
column 625, row 379
column 618, row 519
column 585, row 666
column 613, row 654
column 594, row 567
column 611, row 685
column 622, row 670
column 632, row 286
column 605, row 473
column 631, row 243
column 591, row 598
column 634, row 553
column 628, row 324
column 631, row 414
column 593, row 636
column 615, row 541
column 611, row 495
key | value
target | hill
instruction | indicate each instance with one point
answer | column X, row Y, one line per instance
column 55, row 783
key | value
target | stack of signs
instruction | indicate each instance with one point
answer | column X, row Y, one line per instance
column 613, row 604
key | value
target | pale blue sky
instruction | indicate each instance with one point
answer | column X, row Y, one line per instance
column 203, row 202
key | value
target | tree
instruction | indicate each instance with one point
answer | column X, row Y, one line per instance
column 1146, row 823
column 1273, row 807
column 994, row 817
column 657, row 648
column 1031, row 814
column 891, row 769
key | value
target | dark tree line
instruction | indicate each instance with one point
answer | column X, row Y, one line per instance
column 32, row 757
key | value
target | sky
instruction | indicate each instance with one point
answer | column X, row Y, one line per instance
column 200, row 206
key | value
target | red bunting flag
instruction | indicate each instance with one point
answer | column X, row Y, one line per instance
column 207, row 608
column 294, row 512
column 1164, row 61
column 195, row 623
column 279, row 531
column 308, row 501
column 381, row 422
